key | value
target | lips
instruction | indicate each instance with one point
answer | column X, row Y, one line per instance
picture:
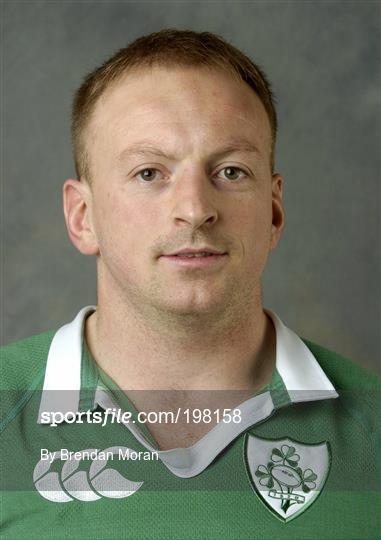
column 203, row 254
column 193, row 258
column 192, row 252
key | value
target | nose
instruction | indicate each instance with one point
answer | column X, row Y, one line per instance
column 194, row 200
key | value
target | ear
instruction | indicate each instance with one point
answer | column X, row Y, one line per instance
column 278, row 217
column 77, row 200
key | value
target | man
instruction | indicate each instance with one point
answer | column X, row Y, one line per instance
column 178, row 407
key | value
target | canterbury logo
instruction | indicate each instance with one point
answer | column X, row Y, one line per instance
column 70, row 484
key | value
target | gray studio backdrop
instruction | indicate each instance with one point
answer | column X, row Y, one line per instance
column 323, row 59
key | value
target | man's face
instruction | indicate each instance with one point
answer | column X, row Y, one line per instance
column 180, row 161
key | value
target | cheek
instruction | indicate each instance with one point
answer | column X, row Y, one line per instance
column 253, row 224
column 123, row 225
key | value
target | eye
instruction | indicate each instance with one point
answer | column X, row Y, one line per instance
column 232, row 173
column 147, row 175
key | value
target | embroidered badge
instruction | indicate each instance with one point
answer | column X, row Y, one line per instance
column 287, row 475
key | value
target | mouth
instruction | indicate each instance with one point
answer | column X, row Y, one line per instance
column 195, row 257
column 195, row 252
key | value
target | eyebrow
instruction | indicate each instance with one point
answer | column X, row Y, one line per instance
column 233, row 145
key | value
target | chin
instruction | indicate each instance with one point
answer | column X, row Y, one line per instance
column 201, row 304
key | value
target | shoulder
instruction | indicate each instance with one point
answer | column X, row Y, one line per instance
column 345, row 374
column 359, row 390
column 22, row 370
column 22, row 360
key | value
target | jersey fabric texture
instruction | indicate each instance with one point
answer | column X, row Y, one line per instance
column 303, row 462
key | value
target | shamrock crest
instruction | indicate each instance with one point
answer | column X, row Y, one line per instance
column 286, row 455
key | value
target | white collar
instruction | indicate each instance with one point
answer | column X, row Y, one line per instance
column 302, row 376
column 301, row 373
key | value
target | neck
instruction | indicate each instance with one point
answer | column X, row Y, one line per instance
column 235, row 351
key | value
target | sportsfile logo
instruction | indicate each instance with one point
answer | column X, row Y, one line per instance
column 71, row 484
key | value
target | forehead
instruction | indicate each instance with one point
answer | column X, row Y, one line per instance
column 185, row 105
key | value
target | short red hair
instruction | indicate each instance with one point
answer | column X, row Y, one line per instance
column 169, row 47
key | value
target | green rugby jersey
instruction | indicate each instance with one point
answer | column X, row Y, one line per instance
column 302, row 462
